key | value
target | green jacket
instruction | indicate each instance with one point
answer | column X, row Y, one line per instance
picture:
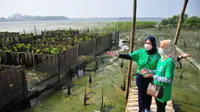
column 165, row 69
column 145, row 60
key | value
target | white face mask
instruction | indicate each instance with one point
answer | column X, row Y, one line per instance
column 147, row 47
column 161, row 51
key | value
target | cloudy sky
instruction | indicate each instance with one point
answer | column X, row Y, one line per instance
column 97, row 8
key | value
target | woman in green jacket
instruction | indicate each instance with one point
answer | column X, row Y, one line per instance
column 164, row 73
column 146, row 57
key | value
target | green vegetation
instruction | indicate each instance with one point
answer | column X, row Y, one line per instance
column 188, row 22
column 50, row 42
column 171, row 22
column 126, row 26
column 40, row 49
column 14, row 37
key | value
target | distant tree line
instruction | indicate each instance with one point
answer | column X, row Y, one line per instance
column 19, row 17
column 188, row 22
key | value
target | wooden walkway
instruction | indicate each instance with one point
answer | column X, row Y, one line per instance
column 132, row 104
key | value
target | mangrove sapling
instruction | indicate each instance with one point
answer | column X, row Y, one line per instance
column 85, row 96
column 182, row 74
column 185, row 43
column 102, row 97
column 123, row 87
column 90, row 79
column 69, row 88
column 122, row 64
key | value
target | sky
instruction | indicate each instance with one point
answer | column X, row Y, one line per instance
column 97, row 8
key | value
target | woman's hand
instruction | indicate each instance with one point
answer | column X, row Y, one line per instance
column 148, row 76
column 185, row 55
column 144, row 71
column 111, row 53
column 11, row 85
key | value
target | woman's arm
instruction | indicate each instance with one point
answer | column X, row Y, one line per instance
column 169, row 70
column 183, row 56
column 152, row 72
column 162, row 79
column 125, row 56
column 134, row 56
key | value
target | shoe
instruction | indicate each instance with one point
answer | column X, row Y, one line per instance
column 147, row 110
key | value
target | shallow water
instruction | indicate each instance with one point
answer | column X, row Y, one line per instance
column 28, row 26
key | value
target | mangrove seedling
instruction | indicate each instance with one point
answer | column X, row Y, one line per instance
column 90, row 79
column 123, row 87
column 85, row 96
column 102, row 104
column 182, row 74
column 122, row 64
column 69, row 88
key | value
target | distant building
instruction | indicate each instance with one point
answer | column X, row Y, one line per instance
column 17, row 16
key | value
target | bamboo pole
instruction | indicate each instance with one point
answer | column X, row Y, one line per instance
column 180, row 22
column 131, row 47
column 58, row 68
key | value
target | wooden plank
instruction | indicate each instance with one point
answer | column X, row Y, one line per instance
column 132, row 102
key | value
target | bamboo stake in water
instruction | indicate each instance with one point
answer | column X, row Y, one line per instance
column 85, row 96
column 24, row 31
column 122, row 64
column 90, row 79
column 102, row 104
column 35, row 30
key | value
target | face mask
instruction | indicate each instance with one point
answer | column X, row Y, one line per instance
column 147, row 47
column 161, row 51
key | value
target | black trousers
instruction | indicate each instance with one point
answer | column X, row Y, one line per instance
column 160, row 106
column 144, row 100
